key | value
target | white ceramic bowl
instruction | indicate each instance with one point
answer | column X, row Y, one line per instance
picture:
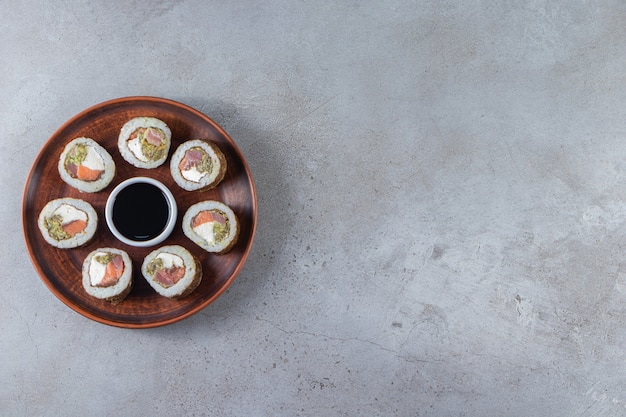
column 136, row 213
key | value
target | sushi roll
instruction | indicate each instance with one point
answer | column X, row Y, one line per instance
column 108, row 274
column 198, row 165
column 212, row 225
column 86, row 166
column 67, row 222
column 144, row 142
column 172, row 271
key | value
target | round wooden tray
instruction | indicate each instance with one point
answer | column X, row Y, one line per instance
column 60, row 269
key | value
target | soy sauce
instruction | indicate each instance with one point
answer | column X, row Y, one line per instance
column 140, row 211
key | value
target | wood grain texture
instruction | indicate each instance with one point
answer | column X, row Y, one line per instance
column 61, row 269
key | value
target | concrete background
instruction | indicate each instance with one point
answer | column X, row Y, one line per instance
column 441, row 207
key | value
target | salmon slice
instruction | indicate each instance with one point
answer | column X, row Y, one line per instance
column 112, row 272
column 191, row 159
column 169, row 277
column 75, row 227
column 205, row 216
column 153, row 137
column 183, row 165
column 87, row 174
column 136, row 133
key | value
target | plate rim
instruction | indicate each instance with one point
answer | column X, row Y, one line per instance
column 194, row 309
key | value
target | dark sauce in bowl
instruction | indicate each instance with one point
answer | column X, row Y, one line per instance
column 140, row 211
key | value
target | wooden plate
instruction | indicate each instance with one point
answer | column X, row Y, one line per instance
column 60, row 269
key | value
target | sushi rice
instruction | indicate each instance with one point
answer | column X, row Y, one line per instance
column 212, row 225
column 93, row 271
column 86, row 166
column 172, row 271
column 132, row 147
column 61, row 222
column 205, row 171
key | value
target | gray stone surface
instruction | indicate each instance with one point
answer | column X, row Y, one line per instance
column 441, row 207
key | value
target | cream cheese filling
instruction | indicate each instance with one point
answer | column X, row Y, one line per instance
column 205, row 231
column 193, row 174
column 170, row 260
column 93, row 160
column 134, row 145
column 70, row 213
column 96, row 270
